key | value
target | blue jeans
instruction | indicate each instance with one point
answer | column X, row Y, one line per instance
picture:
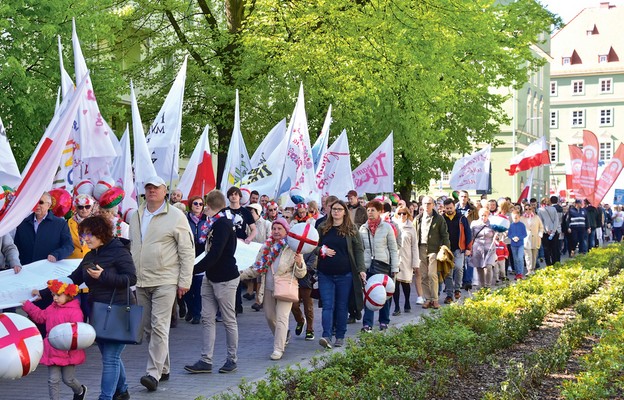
column 335, row 291
column 454, row 280
column 193, row 298
column 591, row 239
column 468, row 272
column 113, row 371
column 384, row 313
column 517, row 254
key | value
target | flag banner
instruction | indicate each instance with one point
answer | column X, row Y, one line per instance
column 198, row 177
column 298, row 172
column 334, row 172
column 94, row 144
column 15, row 288
column 589, row 167
column 609, row 176
column 9, row 172
column 573, row 169
column 271, row 142
column 122, row 174
column 237, row 164
column 534, row 155
column 320, row 146
column 143, row 166
column 472, row 172
column 526, row 191
column 376, row 173
column 265, row 178
column 39, row 172
column 163, row 139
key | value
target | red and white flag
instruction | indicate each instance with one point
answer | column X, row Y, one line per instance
column 589, row 168
column 534, row 155
column 376, row 173
column 472, row 172
column 198, row 177
column 333, row 175
column 526, row 191
column 609, row 175
column 573, row 169
column 9, row 172
column 39, row 172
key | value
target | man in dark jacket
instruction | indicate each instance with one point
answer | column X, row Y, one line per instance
column 42, row 235
column 593, row 217
column 460, row 237
column 219, row 286
column 356, row 210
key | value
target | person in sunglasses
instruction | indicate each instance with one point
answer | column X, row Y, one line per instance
column 84, row 206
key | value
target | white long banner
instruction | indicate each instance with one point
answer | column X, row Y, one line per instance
column 15, row 288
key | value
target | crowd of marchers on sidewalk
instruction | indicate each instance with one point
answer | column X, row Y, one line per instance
column 177, row 256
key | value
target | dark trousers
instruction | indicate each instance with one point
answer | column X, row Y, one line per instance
column 552, row 254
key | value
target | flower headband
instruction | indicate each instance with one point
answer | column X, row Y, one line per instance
column 58, row 287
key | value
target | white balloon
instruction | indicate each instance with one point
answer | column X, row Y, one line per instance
column 71, row 336
column 374, row 296
column 302, row 238
column 21, row 346
column 386, row 281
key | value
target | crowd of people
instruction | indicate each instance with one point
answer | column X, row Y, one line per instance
column 178, row 255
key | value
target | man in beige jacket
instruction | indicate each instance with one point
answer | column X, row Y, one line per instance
column 164, row 255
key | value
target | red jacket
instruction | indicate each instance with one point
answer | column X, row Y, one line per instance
column 52, row 316
column 501, row 250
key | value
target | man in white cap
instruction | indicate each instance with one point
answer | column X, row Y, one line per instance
column 164, row 255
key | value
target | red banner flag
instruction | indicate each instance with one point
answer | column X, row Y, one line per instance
column 574, row 174
column 609, row 175
column 589, row 168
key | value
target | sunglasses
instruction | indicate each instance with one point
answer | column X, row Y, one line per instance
column 41, row 202
column 87, row 207
column 402, row 213
column 85, row 236
column 197, row 203
column 271, row 209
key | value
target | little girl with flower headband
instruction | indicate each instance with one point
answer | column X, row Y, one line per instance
column 61, row 363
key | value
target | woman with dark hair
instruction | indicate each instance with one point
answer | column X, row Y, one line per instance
column 107, row 269
column 197, row 222
column 341, row 269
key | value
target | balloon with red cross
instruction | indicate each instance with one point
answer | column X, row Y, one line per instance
column 302, row 238
column 386, row 281
column 21, row 346
column 71, row 336
column 374, row 295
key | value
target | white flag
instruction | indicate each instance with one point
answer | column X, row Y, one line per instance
column 237, row 164
column 9, row 173
column 322, row 141
column 299, row 167
column 334, row 172
column 96, row 150
column 39, row 172
column 271, row 142
column 376, row 174
column 265, row 178
column 472, row 172
column 122, row 174
column 143, row 167
column 163, row 139
column 198, row 177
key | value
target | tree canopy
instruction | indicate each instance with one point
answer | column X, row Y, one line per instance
column 423, row 69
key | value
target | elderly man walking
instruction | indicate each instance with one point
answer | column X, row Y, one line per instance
column 164, row 255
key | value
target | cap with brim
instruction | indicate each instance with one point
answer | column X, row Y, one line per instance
column 155, row 181
column 256, row 207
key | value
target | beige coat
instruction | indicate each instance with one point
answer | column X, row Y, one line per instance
column 166, row 255
column 535, row 231
column 409, row 258
column 285, row 267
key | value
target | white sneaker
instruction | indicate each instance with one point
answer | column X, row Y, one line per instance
column 420, row 300
column 276, row 355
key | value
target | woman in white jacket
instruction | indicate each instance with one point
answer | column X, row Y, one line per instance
column 379, row 240
column 408, row 259
column 533, row 241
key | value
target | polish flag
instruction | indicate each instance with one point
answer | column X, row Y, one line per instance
column 534, row 155
column 589, row 168
column 609, row 175
column 199, row 177
column 526, row 192
column 573, row 170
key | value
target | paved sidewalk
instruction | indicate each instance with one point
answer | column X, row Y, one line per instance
column 255, row 346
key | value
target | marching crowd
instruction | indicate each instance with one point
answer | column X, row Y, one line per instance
column 178, row 255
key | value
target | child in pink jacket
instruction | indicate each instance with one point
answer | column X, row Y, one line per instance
column 61, row 363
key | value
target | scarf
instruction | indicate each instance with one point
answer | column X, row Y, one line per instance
column 207, row 226
column 302, row 219
column 270, row 250
column 528, row 214
column 373, row 224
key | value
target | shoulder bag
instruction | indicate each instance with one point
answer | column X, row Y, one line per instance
column 285, row 287
column 376, row 266
column 119, row 323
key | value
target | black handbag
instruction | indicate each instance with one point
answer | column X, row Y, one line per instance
column 376, row 266
column 119, row 323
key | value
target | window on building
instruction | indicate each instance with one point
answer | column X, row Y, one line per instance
column 554, row 152
column 606, row 151
column 565, row 61
column 554, row 119
column 603, row 58
column 578, row 87
column 553, row 88
column 606, row 117
column 606, row 85
column 578, row 118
